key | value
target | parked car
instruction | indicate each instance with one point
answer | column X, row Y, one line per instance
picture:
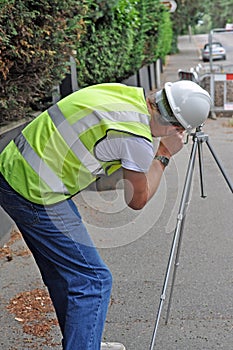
column 218, row 52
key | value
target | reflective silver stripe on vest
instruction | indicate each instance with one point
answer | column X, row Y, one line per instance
column 94, row 118
column 71, row 138
column 39, row 166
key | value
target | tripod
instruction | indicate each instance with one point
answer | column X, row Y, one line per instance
column 199, row 137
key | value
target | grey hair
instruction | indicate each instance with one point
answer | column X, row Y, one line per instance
column 152, row 98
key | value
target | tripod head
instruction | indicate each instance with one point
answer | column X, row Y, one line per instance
column 198, row 133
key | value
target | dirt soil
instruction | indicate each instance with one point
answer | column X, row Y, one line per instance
column 32, row 309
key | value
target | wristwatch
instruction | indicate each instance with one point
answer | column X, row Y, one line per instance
column 164, row 160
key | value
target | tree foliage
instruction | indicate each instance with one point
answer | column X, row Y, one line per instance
column 220, row 12
column 34, row 49
column 187, row 14
column 213, row 13
column 102, row 51
column 120, row 42
column 111, row 38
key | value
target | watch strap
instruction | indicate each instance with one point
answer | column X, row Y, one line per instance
column 164, row 160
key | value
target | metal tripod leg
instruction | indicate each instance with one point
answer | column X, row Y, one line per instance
column 176, row 265
column 200, row 138
column 220, row 166
column 201, row 168
column 177, row 233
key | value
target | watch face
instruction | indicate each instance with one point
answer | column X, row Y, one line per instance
column 164, row 160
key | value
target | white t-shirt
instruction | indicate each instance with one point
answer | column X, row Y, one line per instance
column 135, row 153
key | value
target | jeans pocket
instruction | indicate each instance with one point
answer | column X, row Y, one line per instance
column 20, row 210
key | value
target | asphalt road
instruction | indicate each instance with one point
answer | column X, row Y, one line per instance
column 136, row 247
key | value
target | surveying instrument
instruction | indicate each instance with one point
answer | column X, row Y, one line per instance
column 199, row 138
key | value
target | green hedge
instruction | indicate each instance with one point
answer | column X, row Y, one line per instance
column 36, row 39
column 134, row 33
column 112, row 39
column 104, row 50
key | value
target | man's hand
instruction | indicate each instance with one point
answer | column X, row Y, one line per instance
column 170, row 145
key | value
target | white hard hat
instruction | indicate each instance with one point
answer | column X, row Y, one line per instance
column 189, row 103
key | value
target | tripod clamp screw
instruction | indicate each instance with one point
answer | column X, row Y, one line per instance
column 200, row 136
column 180, row 217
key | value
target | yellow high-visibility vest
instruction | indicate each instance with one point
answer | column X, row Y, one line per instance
column 53, row 157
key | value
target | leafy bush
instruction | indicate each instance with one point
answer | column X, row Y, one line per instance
column 126, row 38
column 36, row 38
column 112, row 39
column 104, row 49
column 165, row 36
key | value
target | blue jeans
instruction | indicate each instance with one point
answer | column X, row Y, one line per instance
column 78, row 281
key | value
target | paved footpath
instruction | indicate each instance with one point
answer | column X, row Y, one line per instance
column 187, row 57
column 136, row 247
